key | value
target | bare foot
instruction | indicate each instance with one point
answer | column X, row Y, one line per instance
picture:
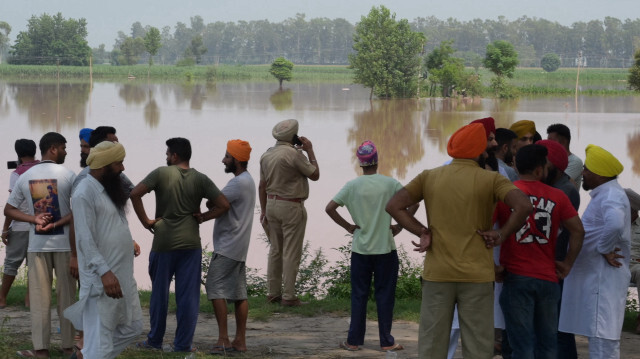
column 240, row 346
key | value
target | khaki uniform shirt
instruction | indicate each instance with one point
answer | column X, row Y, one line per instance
column 285, row 170
column 460, row 199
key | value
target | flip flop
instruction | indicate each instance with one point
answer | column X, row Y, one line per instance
column 393, row 348
column 27, row 354
column 221, row 350
column 344, row 345
column 145, row 345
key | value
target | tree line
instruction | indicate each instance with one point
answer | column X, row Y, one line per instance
column 596, row 43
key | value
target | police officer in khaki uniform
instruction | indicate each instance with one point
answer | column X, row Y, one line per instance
column 284, row 174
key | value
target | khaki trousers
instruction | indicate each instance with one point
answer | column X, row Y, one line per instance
column 475, row 311
column 40, row 273
column 287, row 222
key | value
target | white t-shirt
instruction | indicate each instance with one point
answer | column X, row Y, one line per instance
column 232, row 231
column 45, row 187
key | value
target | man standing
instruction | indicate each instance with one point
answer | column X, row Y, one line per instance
column 15, row 234
column 109, row 307
column 373, row 250
column 561, row 134
column 634, row 264
column 284, row 186
column 506, row 151
column 525, row 130
column 459, row 268
column 557, row 178
column 176, row 248
column 530, row 292
column 597, row 285
column 227, row 277
column 84, row 135
column 50, row 246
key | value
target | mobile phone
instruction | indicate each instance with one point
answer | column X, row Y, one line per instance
column 11, row 165
column 296, row 140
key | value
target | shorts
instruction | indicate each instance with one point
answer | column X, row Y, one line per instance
column 226, row 279
column 16, row 251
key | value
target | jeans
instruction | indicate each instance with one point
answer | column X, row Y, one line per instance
column 186, row 266
column 566, row 341
column 530, row 308
column 384, row 268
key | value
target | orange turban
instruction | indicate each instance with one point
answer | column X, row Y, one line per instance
column 239, row 149
column 468, row 142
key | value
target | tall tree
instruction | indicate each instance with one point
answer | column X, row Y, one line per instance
column 501, row 58
column 131, row 50
column 634, row 73
column 52, row 39
column 387, row 57
column 282, row 69
column 196, row 49
column 5, row 29
column 152, row 43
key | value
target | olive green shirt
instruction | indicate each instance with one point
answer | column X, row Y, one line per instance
column 285, row 171
column 460, row 199
column 179, row 193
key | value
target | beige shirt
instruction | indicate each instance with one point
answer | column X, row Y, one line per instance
column 285, row 171
column 459, row 199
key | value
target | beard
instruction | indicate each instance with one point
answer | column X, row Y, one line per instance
column 508, row 158
column 551, row 176
column 83, row 159
column 230, row 168
column 115, row 188
column 492, row 161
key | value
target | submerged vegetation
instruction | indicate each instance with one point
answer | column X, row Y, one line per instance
column 526, row 81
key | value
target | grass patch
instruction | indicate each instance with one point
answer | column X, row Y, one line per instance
column 165, row 72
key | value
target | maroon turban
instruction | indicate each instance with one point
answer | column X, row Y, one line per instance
column 488, row 123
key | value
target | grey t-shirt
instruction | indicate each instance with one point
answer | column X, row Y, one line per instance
column 232, row 231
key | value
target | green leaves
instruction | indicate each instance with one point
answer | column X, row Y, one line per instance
column 49, row 40
column 387, row 54
column 501, row 58
column 550, row 62
column 281, row 69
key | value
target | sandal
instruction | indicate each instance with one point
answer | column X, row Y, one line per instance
column 346, row 346
column 394, row 348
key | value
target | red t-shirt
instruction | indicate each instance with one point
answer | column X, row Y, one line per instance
column 531, row 250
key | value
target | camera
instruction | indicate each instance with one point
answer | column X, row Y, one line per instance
column 12, row 165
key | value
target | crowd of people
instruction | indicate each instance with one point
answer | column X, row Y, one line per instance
column 509, row 266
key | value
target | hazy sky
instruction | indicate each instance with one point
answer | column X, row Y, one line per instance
column 106, row 17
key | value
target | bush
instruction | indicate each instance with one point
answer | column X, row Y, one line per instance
column 550, row 62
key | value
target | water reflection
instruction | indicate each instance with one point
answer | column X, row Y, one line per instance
column 46, row 103
column 151, row 112
column 395, row 128
column 133, row 94
column 282, row 99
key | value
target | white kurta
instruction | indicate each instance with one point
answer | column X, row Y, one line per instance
column 104, row 243
column 594, row 291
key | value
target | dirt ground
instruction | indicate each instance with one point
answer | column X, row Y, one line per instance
column 285, row 336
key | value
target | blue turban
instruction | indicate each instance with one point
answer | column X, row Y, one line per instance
column 85, row 134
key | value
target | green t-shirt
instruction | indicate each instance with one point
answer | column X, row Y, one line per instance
column 179, row 193
column 366, row 197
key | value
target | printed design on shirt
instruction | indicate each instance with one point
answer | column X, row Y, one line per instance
column 44, row 194
column 537, row 228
